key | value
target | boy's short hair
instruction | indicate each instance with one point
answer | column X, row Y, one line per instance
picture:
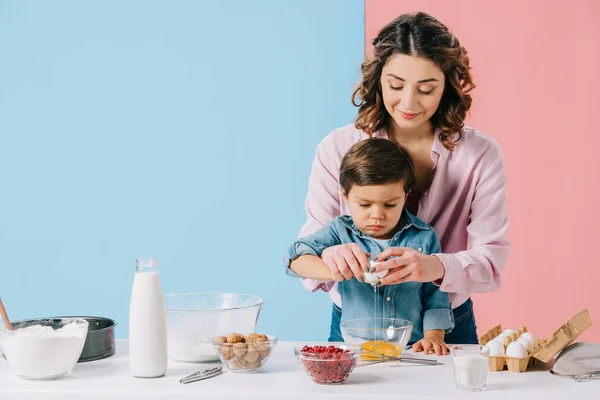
column 376, row 162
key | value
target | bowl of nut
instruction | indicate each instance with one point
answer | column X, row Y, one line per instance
column 244, row 353
column 330, row 363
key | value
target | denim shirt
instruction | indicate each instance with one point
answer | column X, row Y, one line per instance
column 421, row 303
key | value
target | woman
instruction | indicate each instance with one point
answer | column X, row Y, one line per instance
column 415, row 92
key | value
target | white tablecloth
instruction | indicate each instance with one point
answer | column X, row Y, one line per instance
column 283, row 378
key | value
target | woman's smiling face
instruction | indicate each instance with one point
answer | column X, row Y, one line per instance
column 412, row 89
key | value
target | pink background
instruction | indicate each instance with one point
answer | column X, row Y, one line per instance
column 537, row 71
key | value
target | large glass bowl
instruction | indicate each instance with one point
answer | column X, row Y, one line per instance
column 377, row 336
column 194, row 318
column 44, row 349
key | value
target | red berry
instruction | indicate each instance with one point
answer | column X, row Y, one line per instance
column 327, row 364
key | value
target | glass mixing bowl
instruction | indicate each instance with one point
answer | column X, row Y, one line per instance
column 194, row 318
column 377, row 336
column 45, row 348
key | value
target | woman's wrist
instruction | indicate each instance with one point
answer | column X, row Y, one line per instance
column 439, row 270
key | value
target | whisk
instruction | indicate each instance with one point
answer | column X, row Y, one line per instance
column 375, row 357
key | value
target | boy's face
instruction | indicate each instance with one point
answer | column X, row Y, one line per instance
column 376, row 209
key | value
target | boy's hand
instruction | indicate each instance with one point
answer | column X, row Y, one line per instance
column 433, row 341
column 346, row 261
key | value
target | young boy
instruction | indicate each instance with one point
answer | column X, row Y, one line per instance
column 375, row 177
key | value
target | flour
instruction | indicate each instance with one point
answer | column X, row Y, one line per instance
column 40, row 352
column 68, row 330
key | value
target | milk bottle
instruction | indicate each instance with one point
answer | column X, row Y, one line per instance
column 147, row 325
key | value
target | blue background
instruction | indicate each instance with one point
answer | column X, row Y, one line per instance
column 180, row 130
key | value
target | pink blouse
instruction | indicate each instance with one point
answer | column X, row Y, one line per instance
column 465, row 204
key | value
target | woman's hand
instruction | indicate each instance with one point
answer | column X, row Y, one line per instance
column 409, row 265
column 433, row 341
column 346, row 261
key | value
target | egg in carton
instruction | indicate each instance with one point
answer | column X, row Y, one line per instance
column 519, row 357
column 540, row 349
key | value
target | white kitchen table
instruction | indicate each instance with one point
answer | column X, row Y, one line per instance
column 283, row 378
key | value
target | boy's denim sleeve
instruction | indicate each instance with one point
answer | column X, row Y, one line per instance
column 437, row 312
column 313, row 244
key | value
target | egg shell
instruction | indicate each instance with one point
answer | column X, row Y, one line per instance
column 525, row 343
column 529, row 337
column 507, row 332
column 380, row 274
column 516, row 350
column 501, row 338
column 496, row 348
column 372, row 277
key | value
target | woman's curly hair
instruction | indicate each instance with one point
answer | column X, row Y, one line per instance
column 417, row 34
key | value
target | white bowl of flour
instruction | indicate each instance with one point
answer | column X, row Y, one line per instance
column 43, row 349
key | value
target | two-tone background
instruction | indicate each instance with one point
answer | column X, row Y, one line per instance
column 185, row 131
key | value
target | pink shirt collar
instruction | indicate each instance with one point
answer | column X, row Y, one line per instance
column 438, row 148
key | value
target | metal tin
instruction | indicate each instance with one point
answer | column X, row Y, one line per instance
column 100, row 340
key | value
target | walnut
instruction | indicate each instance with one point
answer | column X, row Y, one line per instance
column 226, row 352
column 251, row 353
column 252, row 337
column 252, row 365
column 237, row 363
column 234, row 338
column 221, row 339
column 262, row 344
column 264, row 353
column 239, row 349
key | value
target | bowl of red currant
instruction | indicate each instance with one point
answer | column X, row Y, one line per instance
column 330, row 363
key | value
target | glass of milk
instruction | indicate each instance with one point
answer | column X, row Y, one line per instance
column 470, row 366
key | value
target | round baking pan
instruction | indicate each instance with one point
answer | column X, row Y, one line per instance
column 100, row 340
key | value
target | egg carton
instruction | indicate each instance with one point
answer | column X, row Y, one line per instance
column 544, row 350
column 564, row 336
column 497, row 363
